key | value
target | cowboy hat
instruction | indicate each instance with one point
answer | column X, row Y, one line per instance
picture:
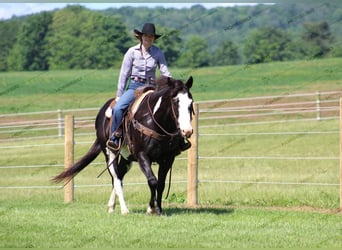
column 147, row 29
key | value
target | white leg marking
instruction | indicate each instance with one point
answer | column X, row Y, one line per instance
column 112, row 198
column 111, row 202
column 117, row 190
column 119, row 193
column 150, row 210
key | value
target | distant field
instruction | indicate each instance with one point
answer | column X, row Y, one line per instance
column 38, row 91
column 263, row 183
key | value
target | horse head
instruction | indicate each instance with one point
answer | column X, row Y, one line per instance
column 182, row 102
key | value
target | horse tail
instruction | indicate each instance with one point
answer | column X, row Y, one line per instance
column 69, row 173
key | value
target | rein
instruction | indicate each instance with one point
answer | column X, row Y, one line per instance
column 158, row 124
column 152, row 133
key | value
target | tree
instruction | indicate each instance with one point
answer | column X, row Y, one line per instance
column 319, row 39
column 29, row 53
column 15, row 59
column 267, row 45
column 227, row 54
column 170, row 42
column 8, row 34
column 81, row 39
column 194, row 54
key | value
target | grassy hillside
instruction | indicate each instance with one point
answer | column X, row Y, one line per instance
column 52, row 90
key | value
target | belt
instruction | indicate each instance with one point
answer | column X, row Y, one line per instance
column 142, row 80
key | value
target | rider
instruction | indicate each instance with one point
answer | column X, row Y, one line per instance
column 139, row 68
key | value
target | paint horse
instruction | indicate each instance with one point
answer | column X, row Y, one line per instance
column 155, row 130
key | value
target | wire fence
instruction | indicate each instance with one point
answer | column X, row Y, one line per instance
column 214, row 115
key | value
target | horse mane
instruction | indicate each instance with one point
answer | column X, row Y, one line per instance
column 162, row 82
column 168, row 82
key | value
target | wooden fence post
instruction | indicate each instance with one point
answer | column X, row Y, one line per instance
column 192, row 186
column 69, row 157
column 340, row 154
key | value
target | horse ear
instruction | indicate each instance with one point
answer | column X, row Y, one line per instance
column 189, row 82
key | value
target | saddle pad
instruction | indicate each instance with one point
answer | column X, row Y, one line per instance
column 138, row 100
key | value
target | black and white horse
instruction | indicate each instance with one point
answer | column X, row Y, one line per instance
column 155, row 130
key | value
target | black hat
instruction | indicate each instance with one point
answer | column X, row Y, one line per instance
column 148, row 29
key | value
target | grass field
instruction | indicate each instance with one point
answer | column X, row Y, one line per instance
column 246, row 212
column 82, row 224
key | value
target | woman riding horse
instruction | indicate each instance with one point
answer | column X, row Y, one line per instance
column 155, row 132
column 139, row 68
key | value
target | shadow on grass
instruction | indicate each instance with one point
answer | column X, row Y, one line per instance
column 205, row 210
column 169, row 211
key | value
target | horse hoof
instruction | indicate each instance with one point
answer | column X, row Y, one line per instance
column 158, row 212
column 150, row 210
column 124, row 212
column 110, row 210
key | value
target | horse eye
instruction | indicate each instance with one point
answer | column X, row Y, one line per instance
column 191, row 109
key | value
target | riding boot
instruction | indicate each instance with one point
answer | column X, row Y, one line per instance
column 114, row 142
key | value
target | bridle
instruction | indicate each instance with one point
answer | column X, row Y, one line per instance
column 152, row 133
column 174, row 116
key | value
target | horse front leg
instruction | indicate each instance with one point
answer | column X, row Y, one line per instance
column 164, row 168
column 152, row 183
column 145, row 166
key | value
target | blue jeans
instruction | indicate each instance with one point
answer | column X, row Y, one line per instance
column 125, row 100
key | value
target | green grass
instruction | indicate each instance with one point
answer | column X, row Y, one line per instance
column 214, row 174
column 240, row 209
column 52, row 224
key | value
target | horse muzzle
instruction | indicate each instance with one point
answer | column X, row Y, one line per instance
column 187, row 132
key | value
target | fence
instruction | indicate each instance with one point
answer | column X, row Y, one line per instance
column 44, row 123
column 269, row 109
column 318, row 106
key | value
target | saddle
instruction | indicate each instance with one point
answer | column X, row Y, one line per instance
column 143, row 89
column 138, row 98
column 139, row 95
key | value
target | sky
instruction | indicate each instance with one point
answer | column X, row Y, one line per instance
column 7, row 10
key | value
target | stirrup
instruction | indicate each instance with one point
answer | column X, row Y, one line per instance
column 114, row 147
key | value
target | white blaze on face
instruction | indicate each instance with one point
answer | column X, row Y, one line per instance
column 184, row 116
column 157, row 106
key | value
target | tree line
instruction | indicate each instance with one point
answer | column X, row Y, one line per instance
column 78, row 38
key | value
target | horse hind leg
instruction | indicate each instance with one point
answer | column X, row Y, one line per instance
column 112, row 200
column 117, row 188
column 119, row 192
